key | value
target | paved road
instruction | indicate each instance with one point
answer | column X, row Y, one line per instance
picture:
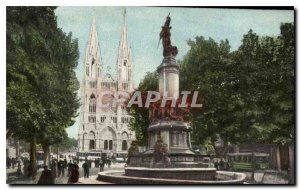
column 64, row 179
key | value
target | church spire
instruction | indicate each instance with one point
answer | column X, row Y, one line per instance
column 123, row 49
column 124, row 65
column 92, row 55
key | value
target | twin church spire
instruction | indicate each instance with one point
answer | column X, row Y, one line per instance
column 92, row 54
column 124, row 60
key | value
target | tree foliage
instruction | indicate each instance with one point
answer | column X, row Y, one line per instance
column 247, row 94
column 41, row 82
column 140, row 121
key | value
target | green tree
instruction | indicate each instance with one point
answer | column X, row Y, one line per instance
column 41, row 83
column 205, row 68
column 140, row 116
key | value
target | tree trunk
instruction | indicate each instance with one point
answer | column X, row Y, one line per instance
column 252, row 167
column 278, row 161
column 32, row 173
column 291, row 164
column 46, row 153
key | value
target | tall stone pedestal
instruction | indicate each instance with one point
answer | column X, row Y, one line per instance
column 174, row 134
column 169, row 77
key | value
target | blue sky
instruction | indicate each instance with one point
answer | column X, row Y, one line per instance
column 144, row 25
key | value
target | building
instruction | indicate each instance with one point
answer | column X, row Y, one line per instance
column 105, row 129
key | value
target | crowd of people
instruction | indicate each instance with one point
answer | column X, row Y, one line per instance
column 12, row 162
column 58, row 170
column 221, row 164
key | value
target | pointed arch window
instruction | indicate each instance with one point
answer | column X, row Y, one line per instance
column 105, row 145
column 93, row 68
column 87, row 70
column 92, row 105
column 124, row 145
column 129, row 75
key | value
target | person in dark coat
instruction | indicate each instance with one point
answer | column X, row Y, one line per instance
column 86, row 169
column 53, row 167
column 74, row 176
column 221, row 164
column 59, row 167
column 29, row 172
column 216, row 164
column 46, row 177
column 19, row 162
column 64, row 166
column 101, row 165
column 25, row 168
column 109, row 162
column 70, row 167
column 19, row 171
column 97, row 163
column 13, row 162
column 8, row 162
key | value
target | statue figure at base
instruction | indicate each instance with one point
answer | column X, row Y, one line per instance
column 160, row 156
column 134, row 149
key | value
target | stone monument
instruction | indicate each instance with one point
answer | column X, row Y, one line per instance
column 169, row 158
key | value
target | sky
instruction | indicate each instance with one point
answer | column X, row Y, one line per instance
column 144, row 25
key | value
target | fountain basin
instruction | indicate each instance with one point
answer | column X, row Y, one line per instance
column 172, row 173
column 221, row 177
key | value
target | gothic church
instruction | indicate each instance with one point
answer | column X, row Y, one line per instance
column 105, row 129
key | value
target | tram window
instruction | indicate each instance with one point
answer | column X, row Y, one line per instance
column 261, row 159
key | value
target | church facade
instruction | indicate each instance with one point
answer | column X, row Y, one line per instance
column 105, row 129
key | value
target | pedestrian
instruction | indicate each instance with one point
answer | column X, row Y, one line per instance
column 109, row 162
column 221, row 164
column 64, row 166
column 70, row 167
column 74, row 176
column 47, row 177
column 25, row 168
column 90, row 163
column 86, row 169
column 101, row 165
column 19, row 171
column 19, row 162
column 216, row 164
column 53, row 168
column 29, row 171
column 13, row 162
column 59, row 167
column 227, row 167
column 8, row 162
column 97, row 163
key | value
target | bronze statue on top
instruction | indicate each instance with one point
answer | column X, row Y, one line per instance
column 165, row 35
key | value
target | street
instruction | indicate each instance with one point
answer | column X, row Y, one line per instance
column 63, row 180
